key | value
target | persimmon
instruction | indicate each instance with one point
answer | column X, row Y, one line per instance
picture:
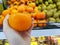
column 11, row 5
column 29, row 9
column 5, row 12
column 40, row 15
column 21, row 8
column 25, row 0
column 36, row 9
column 13, row 0
column 35, row 23
column 42, row 23
column 16, row 3
column 33, row 15
column 15, row 6
column 18, row 0
column 20, row 21
column 9, row 2
column 1, row 20
column 14, row 11
column 32, row 5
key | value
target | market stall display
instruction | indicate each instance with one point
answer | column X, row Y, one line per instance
column 46, row 13
column 41, row 40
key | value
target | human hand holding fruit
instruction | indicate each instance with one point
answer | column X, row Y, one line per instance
column 16, row 37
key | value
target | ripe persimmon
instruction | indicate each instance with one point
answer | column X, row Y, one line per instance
column 16, row 3
column 14, row 11
column 32, row 5
column 21, row 8
column 25, row 0
column 40, row 15
column 29, row 9
column 13, row 0
column 9, row 2
column 36, row 10
column 42, row 23
column 33, row 15
column 20, row 21
column 5, row 12
column 35, row 23
column 15, row 7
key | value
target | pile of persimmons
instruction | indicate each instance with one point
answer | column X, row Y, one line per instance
column 21, row 13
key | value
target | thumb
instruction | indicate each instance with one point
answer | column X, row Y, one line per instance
column 6, row 18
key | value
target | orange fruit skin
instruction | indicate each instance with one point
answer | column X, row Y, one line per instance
column 40, row 15
column 32, row 5
column 33, row 15
column 5, row 12
column 9, row 2
column 25, row 0
column 21, row 8
column 29, row 9
column 42, row 23
column 17, row 3
column 14, row 11
column 13, row 0
column 36, row 10
column 15, row 7
column 1, row 20
column 35, row 23
column 20, row 21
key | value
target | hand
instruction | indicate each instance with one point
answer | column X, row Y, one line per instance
column 14, row 37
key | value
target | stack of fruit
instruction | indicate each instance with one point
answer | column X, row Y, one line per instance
column 40, row 10
column 26, row 7
column 40, row 20
column 18, row 2
column 51, row 8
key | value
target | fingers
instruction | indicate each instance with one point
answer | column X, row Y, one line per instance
column 6, row 27
column 32, row 22
column 27, row 34
column 31, row 25
column 13, row 37
column 6, row 17
column 5, row 24
column 8, row 30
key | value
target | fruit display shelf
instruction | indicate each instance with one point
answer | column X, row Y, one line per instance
column 50, row 25
column 36, row 33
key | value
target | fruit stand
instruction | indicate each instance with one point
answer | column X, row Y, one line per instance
column 46, row 15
